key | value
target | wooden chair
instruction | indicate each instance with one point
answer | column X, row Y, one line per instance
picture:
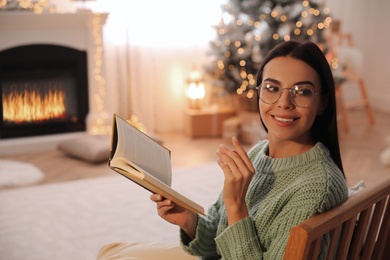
column 361, row 224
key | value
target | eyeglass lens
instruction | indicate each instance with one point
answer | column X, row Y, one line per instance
column 301, row 95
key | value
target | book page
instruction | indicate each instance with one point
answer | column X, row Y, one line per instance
column 143, row 151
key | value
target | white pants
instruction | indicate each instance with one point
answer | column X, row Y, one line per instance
column 143, row 251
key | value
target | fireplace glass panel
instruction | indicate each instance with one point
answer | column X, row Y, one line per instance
column 39, row 97
column 44, row 94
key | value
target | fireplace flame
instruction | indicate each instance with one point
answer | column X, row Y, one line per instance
column 31, row 106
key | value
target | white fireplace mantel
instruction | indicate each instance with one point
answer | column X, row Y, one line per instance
column 68, row 29
column 80, row 30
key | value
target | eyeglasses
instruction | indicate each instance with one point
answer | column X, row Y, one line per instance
column 300, row 95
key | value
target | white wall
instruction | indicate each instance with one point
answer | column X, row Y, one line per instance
column 368, row 22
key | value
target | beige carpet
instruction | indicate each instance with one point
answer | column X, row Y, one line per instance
column 73, row 220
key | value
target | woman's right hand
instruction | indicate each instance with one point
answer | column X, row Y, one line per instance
column 174, row 214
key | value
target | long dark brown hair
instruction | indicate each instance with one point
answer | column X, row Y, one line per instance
column 324, row 128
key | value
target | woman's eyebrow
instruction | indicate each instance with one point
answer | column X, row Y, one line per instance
column 306, row 82
column 272, row 80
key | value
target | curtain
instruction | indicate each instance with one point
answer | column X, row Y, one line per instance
column 150, row 47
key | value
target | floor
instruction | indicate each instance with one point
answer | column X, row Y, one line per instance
column 360, row 149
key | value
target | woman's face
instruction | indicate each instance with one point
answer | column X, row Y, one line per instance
column 286, row 121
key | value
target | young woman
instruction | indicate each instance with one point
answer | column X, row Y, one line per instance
column 282, row 181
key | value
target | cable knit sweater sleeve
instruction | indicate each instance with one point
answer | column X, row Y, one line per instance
column 283, row 193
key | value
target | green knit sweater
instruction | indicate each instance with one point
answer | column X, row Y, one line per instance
column 283, row 192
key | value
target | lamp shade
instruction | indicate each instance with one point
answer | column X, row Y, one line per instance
column 195, row 90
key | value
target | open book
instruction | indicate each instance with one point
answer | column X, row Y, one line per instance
column 139, row 158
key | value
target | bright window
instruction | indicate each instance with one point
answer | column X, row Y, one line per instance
column 161, row 23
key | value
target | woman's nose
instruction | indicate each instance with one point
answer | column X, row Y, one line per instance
column 285, row 100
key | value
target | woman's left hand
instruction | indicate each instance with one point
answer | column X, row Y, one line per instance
column 238, row 171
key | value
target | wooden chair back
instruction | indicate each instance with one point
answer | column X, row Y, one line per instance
column 359, row 228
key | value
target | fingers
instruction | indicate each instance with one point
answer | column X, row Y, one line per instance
column 226, row 159
column 222, row 164
column 232, row 158
column 156, row 197
column 163, row 205
column 244, row 156
column 160, row 200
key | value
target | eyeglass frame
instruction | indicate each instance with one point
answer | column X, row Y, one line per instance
column 292, row 97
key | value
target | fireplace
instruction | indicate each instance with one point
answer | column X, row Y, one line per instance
column 79, row 37
column 44, row 90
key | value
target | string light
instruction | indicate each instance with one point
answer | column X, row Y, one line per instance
column 250, row 93
column 3, row 3
column 38, row 7
column 221, row 65
column 99, row 125
column 134, row 121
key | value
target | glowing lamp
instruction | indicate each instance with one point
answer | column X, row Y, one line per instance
column 195, row 90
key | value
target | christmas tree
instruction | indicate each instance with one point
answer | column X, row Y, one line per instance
column 249, row 29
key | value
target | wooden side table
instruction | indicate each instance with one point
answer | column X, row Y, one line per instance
column 206, row 122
